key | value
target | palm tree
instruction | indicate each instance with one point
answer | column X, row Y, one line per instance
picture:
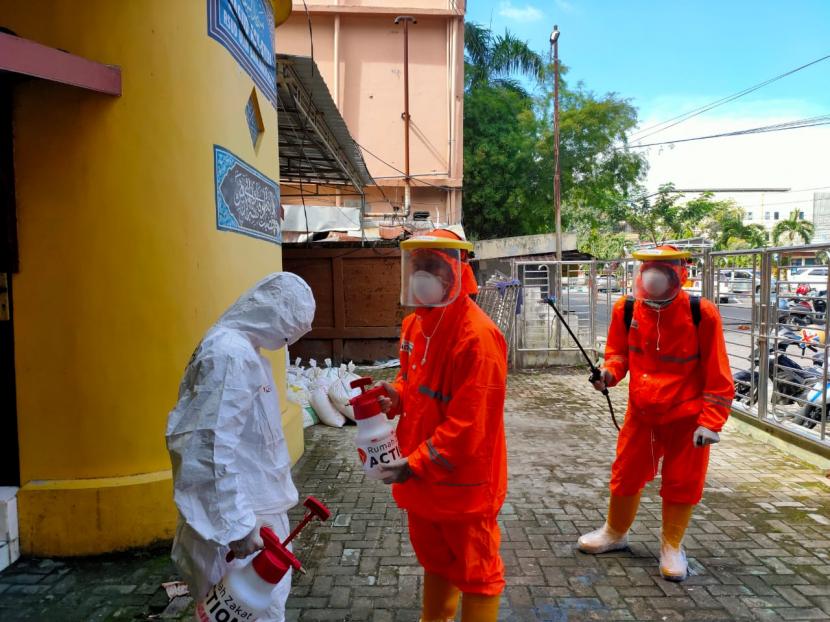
column 794, row 227
column 495, row 60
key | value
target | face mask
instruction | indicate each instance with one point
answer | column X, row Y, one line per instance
column 426, row 288
column 655, row 283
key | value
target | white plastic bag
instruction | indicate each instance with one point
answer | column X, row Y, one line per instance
column 340, row 391
column 312, row 374
column 330, row 373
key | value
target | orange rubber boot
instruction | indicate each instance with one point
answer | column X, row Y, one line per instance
column 613, row 535
column 673, row 564
column 440, row 599
column 479, row 608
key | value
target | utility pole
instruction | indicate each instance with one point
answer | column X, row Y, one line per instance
column 406, row 19
column 557, row 207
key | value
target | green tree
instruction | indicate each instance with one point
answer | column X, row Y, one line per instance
column 666, row 216
column 601, row 244
column 502, row 186
column 508, row 146
column 792, row 228
column 598, row 174
column 495, row 61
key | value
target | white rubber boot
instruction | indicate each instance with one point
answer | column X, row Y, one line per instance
column 602, row 540
column 673, row 563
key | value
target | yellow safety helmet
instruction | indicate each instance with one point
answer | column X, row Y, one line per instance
column 661, row 253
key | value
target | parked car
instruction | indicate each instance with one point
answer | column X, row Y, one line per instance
column 740, row 281
column 607, row 283
column 815, row 276
column 724, row 292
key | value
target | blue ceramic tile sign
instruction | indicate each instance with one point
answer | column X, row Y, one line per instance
column 246, row 29
column 253, row 119
column 246, row 200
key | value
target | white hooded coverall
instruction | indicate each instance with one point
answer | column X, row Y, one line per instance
column 230, row 460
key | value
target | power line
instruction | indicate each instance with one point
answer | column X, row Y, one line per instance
column 777, row 127
column 720, row 102
column 394, row 168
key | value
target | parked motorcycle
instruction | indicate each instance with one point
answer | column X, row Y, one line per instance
column 790, row 379
column 813, row 411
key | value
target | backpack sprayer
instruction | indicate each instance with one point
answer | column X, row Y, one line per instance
column 595, row 372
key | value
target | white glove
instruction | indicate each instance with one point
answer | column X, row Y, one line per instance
column 705, row 436
column 605, row 379
column 251, row 543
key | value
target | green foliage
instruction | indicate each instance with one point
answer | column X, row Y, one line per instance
column 601, row 244
column 792, row 228
column 508, row 145
column 667, row 217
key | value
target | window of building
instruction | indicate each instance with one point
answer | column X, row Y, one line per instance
column 801, row 215
column 776, row 215
column 766, row 215
column 748, row 215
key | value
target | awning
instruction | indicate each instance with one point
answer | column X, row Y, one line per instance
column 315, row 146
column 30, row 58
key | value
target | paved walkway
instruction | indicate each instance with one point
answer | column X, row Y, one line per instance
column 759, row 542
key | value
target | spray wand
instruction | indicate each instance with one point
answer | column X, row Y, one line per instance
column 595, row 372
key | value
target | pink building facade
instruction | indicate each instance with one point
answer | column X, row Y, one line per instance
column 359, row 50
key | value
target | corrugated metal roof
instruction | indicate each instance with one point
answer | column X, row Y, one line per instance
column 314, row 142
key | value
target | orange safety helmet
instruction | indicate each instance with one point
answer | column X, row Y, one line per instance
column 661, row 274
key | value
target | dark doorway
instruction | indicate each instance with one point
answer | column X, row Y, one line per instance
column 9, row 447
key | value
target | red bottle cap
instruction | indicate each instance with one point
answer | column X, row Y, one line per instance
column 274, row 561
column 270, row 567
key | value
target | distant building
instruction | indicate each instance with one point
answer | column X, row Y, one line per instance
column 359, row 50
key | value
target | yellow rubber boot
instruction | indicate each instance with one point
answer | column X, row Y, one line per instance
column 673, row 564
column 479, row 608
column 613, row 535
column 440, row 599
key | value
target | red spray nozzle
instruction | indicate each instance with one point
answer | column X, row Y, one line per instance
column 361, row 383
column 315, row 509
column 366, row 404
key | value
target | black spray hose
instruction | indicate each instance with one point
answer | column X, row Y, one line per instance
column 595, row 372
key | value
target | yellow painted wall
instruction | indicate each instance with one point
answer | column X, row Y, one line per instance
column 122, row 268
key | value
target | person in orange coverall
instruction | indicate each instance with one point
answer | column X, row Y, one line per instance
column 680, row 395
column 450, row 395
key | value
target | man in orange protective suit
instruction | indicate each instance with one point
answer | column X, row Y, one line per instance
column 450, row 394
column 680, row 396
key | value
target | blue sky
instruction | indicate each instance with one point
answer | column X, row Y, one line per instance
column 670, row 55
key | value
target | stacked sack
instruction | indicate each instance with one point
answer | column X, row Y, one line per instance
column 322, row 392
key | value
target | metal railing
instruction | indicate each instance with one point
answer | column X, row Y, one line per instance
column 775, row 332
column 780, row 364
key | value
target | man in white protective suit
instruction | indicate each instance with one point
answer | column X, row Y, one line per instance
column 231, row 468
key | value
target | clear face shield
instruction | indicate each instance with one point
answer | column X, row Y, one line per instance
column 430, row 272
column 659, row 281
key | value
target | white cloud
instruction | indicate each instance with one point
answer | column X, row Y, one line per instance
column 527, row 13
column 565, row 6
